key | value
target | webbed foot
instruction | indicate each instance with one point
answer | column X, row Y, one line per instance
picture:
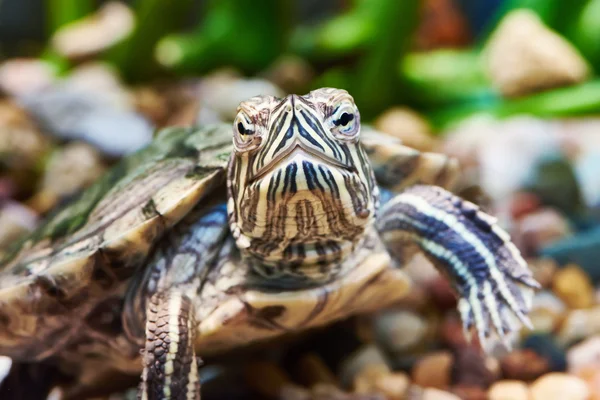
column 468, row 246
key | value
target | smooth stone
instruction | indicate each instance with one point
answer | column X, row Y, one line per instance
column 394, row 386
column 547, row 311
column 442, row 293
column 574, row 287
column 223, row 90
column 579, row 324
column 523, row 364
column 582, row 249
column 16, row 221
column 399, row 331
column 20, row 76
column 433, row 370
column 88, row 36
column 559, row 386
column 545, row 60
column 291, row 73
column 472, row 369
column 584, row 355
column 522, row 204
column 539, row 229
column 82, row 115
column 5, row 364
column 553, row 180
column 437, row 394
column 591, row 376
column 294, row 392
column 70, row 169
column 360, row 359
column 408, row 126
column 508, row 390
column 543, row 270
column 546, row 346
column 467, row 392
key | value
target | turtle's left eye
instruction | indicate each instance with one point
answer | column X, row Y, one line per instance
column 245, row 133
column 345, row 122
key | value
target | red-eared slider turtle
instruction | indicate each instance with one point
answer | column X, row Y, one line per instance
column 161, row 255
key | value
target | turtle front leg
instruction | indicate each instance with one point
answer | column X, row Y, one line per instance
column 170, row 364
column 469, row 247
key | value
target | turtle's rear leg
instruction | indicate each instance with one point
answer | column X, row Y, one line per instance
column 170, row 364
column 469, row 247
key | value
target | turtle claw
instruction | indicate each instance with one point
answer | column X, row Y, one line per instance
column 467, row 245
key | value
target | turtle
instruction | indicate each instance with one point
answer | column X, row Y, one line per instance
column 215, row 237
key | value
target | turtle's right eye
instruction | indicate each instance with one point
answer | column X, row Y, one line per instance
column 245, row 134
column 242, row 130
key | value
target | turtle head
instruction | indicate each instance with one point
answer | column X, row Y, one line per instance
column 301, row 189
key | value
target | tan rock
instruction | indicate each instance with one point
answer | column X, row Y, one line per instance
column 508, row 390
column 111, row 24
column 584, row 355
column 408, row 126
column 559, row 386
column 523, row 364
column 394, row 386
column 524, row 56
column 433, row 370
column 574, row 287
column 579, row 324
column 436, row 394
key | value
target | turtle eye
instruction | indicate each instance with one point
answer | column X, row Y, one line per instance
column 345, row 122
column 245, row 137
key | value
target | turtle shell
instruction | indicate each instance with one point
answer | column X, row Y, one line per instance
column 87, row 250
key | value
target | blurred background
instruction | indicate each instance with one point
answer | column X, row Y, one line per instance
column 508, row 87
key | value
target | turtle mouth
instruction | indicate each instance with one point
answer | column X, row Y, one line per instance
column 292, row 152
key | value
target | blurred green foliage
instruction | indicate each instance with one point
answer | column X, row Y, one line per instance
column 366, row 48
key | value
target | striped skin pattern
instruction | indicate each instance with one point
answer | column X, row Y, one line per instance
column 301, row 189
column 468, row 246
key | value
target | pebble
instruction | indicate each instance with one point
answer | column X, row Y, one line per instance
column 70, row 169
column 582, row 249
column 408, row 126
column 451, row 332
column 554, row 181
column 574, row 287
column 547, row 347
column 20, row 76
column 523, row 203
column 291, row 73
column 508, row 390
column 469, row 392
column 591, row 376
column 80, row 115
column 368, row 355
column 547, row 312
column 579, row 324
column 16, row 220
column 546, row 60
column 539, row 229
column 472, row 369
column 584, row 355
column 90, row 35
column 523, row 364
column 223, row 90
column 401, row 331
column 433, row 370
column 394, row 386
column 543, row 270
column 436, row 394
column 559, row 386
